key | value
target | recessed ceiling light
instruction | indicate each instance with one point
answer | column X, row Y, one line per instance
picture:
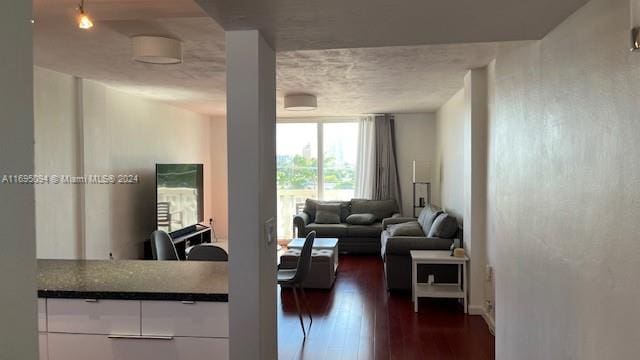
column 157, row 50
column 300, row 102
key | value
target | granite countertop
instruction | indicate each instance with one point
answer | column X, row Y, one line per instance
column 133, row 280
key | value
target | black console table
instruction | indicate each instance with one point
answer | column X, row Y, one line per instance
column 198, row 234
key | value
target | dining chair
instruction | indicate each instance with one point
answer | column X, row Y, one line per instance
column 295, row 277
column 162, row 247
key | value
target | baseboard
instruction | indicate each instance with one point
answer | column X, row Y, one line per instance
column 479, row 310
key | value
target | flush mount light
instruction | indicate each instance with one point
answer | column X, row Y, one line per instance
column 300, row 102
column 157, row 50
column 84, row 22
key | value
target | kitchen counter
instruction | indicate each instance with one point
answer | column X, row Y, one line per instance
column 133, row 280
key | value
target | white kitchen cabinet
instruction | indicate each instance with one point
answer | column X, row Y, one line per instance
column 93, row 316
column 132, row 330
column 42, row 315
column 42, row 346
column 195, row 319
column 103, row 347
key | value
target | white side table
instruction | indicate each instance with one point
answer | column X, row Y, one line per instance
column 455, row 291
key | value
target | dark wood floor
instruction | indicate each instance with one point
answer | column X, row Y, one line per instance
column 359, row 319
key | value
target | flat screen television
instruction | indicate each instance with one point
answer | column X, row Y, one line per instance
column 179, row 196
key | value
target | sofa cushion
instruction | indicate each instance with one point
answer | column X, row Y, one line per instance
column 427, row 216
column 444, row 226
column 380, row 208
column 361, row 231
column 327, row 230
column 310, row 207
column 328, row 214
column 411, row 228
column 361, row 219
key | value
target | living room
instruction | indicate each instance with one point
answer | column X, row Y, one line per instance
column 520, row 117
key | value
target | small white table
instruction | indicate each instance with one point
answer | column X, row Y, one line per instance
column 440, row 290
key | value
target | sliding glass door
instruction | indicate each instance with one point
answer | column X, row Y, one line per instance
column 315, row 160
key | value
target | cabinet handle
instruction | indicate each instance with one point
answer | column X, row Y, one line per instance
column 91, row 300
column 188, row 302
column 139, row 337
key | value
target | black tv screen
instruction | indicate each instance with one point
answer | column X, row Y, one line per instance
column 179, row 196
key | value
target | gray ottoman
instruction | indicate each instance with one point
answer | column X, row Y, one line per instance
column 322, row 273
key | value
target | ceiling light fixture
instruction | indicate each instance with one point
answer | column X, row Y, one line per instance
column 156, row 50
column 84, row 22
column 300, row 102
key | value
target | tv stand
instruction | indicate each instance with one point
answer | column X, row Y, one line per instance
column 182, row 239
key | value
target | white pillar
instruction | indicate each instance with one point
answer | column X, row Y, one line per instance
column 251, row 122
column 475, row 183
column 18, row 327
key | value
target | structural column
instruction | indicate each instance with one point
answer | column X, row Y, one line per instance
column 18, row 327
column 251, row 122
column 475, row 183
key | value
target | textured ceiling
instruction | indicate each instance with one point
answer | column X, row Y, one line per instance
column 104, row 52
column 346, row 81
column 334, row 24
column 378, row 80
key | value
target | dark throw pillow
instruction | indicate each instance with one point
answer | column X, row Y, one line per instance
column 444, row 226
column 411, row 228
column 361, row 219
column 328, row 214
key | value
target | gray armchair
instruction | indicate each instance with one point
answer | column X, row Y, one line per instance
column 397, row 259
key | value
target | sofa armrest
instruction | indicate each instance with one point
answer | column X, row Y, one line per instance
column 300, row 221
column 396, row 220
column 401, row 245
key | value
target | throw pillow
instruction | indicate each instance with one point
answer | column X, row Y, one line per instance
column 428, row 216
column 311, row 205
column 328, row 214
column 444, row 226
column 411, row 228
column 361, row 219
column 380, row 208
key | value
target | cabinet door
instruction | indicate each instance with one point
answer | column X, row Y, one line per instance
column 195, row 319
column 93, row 317
column 42, row 346
column 42, row 315
column 102, row 347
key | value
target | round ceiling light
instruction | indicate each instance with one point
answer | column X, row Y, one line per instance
column 300, row 102
column 157, row 50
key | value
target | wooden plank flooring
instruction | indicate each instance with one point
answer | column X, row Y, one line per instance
column 359, row 319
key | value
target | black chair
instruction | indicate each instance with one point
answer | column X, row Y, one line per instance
column 162, row 247
column 206, row 252
column 295, row 277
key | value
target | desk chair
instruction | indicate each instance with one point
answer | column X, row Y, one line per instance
column 162, row 247
column 206, row 252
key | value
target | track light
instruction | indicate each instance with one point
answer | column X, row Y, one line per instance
column 84, row 22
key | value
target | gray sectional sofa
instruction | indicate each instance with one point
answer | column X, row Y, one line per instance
column 433, row 230
column 356, row 234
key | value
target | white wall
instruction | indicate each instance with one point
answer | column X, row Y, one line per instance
column 219, row 179
column 565, row 191
column 18, row 329
column 58, row 223
column 449, row 160
column 110, row 133
column 251, row 120
column 415, row 140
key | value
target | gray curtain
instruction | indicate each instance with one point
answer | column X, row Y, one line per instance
column 386, row 185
